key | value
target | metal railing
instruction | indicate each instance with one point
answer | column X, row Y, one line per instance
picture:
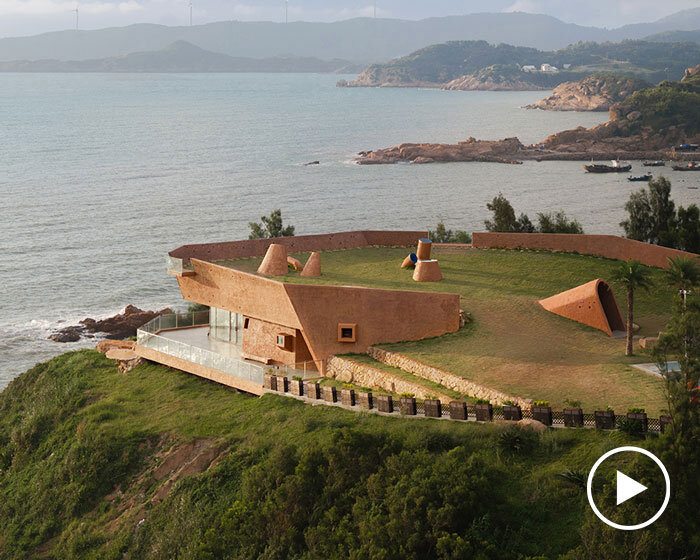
column 148, row 337
column 176, row 321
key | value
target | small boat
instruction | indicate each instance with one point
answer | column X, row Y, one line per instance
column 615, row 167
column 690, row 166
column 657, row 163
column 646, row 177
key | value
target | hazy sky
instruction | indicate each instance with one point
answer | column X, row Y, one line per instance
column 25, row 17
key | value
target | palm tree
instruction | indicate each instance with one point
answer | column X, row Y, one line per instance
column 633, row 276
column 683, row 274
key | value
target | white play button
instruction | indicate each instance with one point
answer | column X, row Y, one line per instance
column 627, row 488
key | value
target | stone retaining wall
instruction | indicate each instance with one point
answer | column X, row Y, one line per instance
column 347, row 371
column 444, row 378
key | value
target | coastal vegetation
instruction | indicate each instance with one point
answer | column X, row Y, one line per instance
column 652, row 218
column 270, row 226
column 669, row 105
column 504, row 220
column 439, row 64
column 443, row 235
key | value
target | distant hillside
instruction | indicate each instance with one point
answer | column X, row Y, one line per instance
column 597, row 92
column 438, row 65
column 675, row 36
column 359, row 40
column 181, row 56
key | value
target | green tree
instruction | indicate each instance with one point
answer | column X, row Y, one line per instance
column 504, row 219
column 557, row 222
column 683, row 274
column 633, row 276
column 271, row 226
column 688, row 224
column 443, row 235
column 652, row 214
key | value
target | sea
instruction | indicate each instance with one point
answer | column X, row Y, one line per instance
column 102, row 174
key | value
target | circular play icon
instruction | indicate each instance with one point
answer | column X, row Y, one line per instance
column 627, row 489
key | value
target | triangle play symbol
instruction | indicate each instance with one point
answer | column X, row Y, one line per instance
column 627, row 488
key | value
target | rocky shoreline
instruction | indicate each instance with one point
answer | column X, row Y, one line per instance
column 603, row 142
column 120, row 326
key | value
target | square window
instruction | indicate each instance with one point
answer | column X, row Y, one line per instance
column 347, row 332
column 285, row 341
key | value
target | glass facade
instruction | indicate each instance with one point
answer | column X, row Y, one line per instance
column 225, row 325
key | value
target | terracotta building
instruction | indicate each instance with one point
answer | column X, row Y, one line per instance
column 256, row 322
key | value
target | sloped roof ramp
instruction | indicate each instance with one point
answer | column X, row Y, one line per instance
column 592, row 304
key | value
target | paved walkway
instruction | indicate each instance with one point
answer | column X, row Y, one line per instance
column 653, row 369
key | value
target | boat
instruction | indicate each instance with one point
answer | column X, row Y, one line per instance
column 686, row 148
column 690, row 166
column 657, row 163
column 615, row 167
column 646, row 177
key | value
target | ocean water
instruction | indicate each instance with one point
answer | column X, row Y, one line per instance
column 101, row 175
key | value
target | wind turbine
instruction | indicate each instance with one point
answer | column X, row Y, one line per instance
column 77, row 16
column 190, row 13
column 286, row 11
column 375, row 9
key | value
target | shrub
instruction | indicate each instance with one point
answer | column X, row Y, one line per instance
column 541, row 403
column 575, row 477
column 514, row 440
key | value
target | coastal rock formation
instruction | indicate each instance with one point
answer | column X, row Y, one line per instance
column 501, row 151
column 122, row 325
column 593, row 93
column 690, row 72
column 495, row 78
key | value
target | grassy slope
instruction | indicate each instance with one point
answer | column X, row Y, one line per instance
column 78, row 442
column 512, row 343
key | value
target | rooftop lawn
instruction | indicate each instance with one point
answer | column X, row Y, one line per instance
column 512, row 344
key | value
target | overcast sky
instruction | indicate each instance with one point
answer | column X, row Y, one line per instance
column 27, row 17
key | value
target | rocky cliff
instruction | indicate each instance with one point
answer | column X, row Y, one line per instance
column 494, row 78
column 593, row 93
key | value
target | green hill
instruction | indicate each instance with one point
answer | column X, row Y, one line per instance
column 442, row 63
column 675, row 36
column 669, row 105
column 160, row 464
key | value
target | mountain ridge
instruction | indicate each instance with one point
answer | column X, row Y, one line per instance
column 180, row 57
column 359, row 40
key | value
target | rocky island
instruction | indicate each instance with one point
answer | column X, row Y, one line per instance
column 645, row 126
column 597, row 92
